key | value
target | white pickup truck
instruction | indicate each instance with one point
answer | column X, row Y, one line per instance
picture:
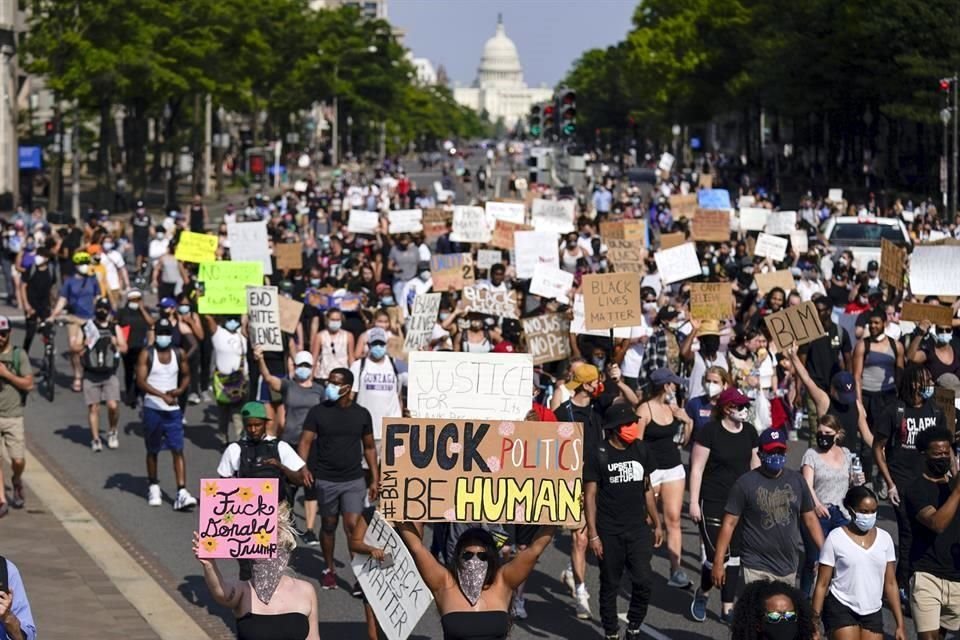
column 862, row 235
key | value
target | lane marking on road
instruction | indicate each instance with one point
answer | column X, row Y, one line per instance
column 160, row 611
column 647, row 629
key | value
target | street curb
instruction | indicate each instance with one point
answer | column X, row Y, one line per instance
column 167, row 618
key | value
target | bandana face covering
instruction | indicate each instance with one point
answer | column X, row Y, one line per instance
column 471, row 574
column 267, row 574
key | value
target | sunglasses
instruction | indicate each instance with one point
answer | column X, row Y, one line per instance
column 776, row 617
column 466, row 556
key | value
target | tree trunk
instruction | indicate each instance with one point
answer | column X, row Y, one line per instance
column 54, row 201
column 197, row 145
column 104, row 195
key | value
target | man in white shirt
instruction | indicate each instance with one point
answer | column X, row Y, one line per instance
column 229, row 374
column 378, row 381
column 497, row 279
column 286, row 461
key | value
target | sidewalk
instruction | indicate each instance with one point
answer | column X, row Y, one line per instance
column 69, row 595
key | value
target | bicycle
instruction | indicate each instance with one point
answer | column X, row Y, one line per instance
column 48, row 366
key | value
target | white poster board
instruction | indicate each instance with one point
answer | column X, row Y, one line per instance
column 579, row 323
column 532, row 248
column 249, row 243
column 678, row 263
column 361, row 221
column 800, row 241
column 470, row 225
column 396, row 593
column 933, row 271
column 263, row 314
column 666, row 162
column 550, row 282
column 423, row 318
column 470, row 386
column 555, row 216
column 835, row 195
column 405, row 221
column 486, row 258
column 514, row 212
column 773, row 247
column 781, row 223
column 753, row 218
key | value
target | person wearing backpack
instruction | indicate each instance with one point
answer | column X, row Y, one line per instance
column 163, row 374
column 16, row 380
column 104, row 344
column 378, row 381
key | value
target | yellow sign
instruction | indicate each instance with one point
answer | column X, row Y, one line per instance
column 225, row 285
column 196, row 247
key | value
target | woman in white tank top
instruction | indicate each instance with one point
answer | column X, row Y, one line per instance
column 332, row 347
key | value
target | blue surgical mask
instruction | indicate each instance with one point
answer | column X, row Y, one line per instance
column 332, row 392
column 865, row 521
column 388, row 301
column 927, row 392
column 314, row 282
column 302, row 373
column 231, row 325
column 444, row 315
column 334, row 325
column 163, row 342
column 944, row 338
column 378, row 351
column 184, row 309
column 773, row 462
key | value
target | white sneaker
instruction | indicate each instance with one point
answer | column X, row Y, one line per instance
column 583, row 605
column 183, row 421
column 154, row 497
column 96, row 445
column 566, row 577
column 193, row 398
column 206, row 397
column 519, row 608
column 113, row 440
column 184, row 501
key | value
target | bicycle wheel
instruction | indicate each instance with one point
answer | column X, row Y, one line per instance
column 49, row 377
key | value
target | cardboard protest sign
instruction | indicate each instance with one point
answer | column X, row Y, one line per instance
column 933, row 271
column 289, row 255
column 579, row 323
column 835, row 195
column 290, row 312
column 489, row 302
column 773, row 247
column 423, row 318
column 481, row 471
column 611, row 300
column 395, row 591
column 705, row 181
column 678, row 263
column 405, row 221
column 626, row 256
column 946, row 399
column 711, row 225
column 249, row 243
column 532, row 248
column 225, row 285
column 470, row 225
column 551, row 282
column 781, row 223
column 799, row 241
column 555, row 216
column 670, row 240
column 753, row 218
column 937, row 314
column 797, row 325
column 623, row 230
column 470, row 386
column 435, row 222
column 454, row 270
column 767, row 281
column 502, row 236
column 683, row 206
column 486, row 258
column 238, row 518
column 666, row 162
column 196, row 247
column 508, row 211
column 361, row 221
column 892, row 263
column 263, row 313
column 711, row 300
column 713, row 199
column 548, row 337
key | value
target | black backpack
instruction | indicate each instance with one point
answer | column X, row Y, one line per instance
column 252, row 457
column 102, row 357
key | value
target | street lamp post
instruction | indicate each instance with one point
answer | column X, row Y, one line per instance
column 952, row 216
column 335, row 128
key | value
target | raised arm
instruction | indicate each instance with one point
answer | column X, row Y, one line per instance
column 519, row 569
column 433, row 573
column 224, row 592
column 820, row 397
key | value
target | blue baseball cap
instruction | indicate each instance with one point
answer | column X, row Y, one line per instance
column 773, row 440
column 843, row 384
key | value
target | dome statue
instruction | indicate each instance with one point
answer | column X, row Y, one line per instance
column 500, row 63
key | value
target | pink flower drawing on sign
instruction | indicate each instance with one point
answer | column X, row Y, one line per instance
column 449, row 515
column 494, row 463
column 455, row 447
column 399, row 450
column 506, row 429
column 565, row 430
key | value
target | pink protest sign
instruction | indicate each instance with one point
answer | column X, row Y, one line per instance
column 238, row 518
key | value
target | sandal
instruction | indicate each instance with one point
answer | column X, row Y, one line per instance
column 77, row 385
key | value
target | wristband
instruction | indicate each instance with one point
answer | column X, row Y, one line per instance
column 594, row 538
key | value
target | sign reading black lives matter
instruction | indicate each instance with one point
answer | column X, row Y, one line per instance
column 422, row 321
column 263, row 312
column 612, row 300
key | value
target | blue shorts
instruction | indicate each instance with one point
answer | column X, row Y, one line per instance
column 162, row 430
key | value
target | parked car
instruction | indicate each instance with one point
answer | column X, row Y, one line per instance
column 862, row 236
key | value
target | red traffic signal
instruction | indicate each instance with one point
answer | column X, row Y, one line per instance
column 946, row 84
column 50, row 127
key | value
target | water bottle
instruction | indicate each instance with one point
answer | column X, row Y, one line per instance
column 856, row 470
column 798, row 417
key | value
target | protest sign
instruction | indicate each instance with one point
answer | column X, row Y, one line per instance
column 361, row 221
column 486, row 258
column 196, row 247
column 508, row 211
column 395, row 348
column 670, row 240
column 489, row 302
column 481, row 471
column 711, row 225
column 248, row 243
column 290, row 312
column 711, row 300
column 713, row 199
column 937, row 314
column 705, row 181
column 946, row 400
column 435, row 222
column 502, row 237
column 225, row 285
column 683, row 206
column 551, row 282
column 470, row 225
column 771, row 279
column 579, row 323
column 405, row 221
column 423, row 318
column 678, row 263
column 744, row 202
column 933, row 271
column 470, row 386
column 532, row 248
column 454, row 270
column 800, row 241
column 892, row 263
column 548, row 337
column 289, row 255
column 395, row 591
column 263, row 314
column 753, row 218
column 666, row 162
column 781, row 223
column 626, row 256
column 611, row 300
column 797, row 325
column 835, row 195
column 555, row 216
column 773, row 247
column 238, row 518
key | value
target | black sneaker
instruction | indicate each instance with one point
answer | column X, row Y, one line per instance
column 310, row 539
column 356, row 591
column 632, row 634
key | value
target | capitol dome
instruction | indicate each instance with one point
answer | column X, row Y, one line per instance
column 500, row 63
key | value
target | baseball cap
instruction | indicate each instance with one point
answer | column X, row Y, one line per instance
column 102, row 303
column 842, row 382
column 167, row 303
column 667, row 313
column 134, row 294
column 618, row 415
column 376, row 335
column 873, row 266
column 303, row 357
column 663, row 376
column 163, row 327
column 504, row 347
column 709, row 328
column 94, row 248
column 582, row 373
column 254, row 410
column 732, row 396
column 773, row 440
column 4, row 323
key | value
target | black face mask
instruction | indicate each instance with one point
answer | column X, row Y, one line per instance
column 938, row 467
column 782, row 630
column 102, row 314
column 826, row 442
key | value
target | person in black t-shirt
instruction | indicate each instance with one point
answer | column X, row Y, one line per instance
column 825, row 357
column 37, row 283
column 932, row 503
column 619, row 505
column 135, row 320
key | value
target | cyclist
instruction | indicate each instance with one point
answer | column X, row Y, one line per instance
column 77, row 296
column 37, row 283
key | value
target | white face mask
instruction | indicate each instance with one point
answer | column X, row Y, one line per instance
column 713, row 389
column 740, row 415
column 40, row 261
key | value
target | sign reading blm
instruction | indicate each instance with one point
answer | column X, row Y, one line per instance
column 795, row 325
column 481, row 471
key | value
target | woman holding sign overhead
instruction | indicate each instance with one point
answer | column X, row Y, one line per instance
column 474, row 594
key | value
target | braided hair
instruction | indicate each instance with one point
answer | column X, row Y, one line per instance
column 751, row 607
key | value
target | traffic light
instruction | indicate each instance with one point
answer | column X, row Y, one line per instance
column 568, row 112
column 534, row 121
column 50, row 130
column 549, row 119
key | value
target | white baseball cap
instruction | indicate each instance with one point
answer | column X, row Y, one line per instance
column 303, row 357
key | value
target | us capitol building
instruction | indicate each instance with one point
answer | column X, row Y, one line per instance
column 499, row 88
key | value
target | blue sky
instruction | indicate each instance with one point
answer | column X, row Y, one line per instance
column 549, row 34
